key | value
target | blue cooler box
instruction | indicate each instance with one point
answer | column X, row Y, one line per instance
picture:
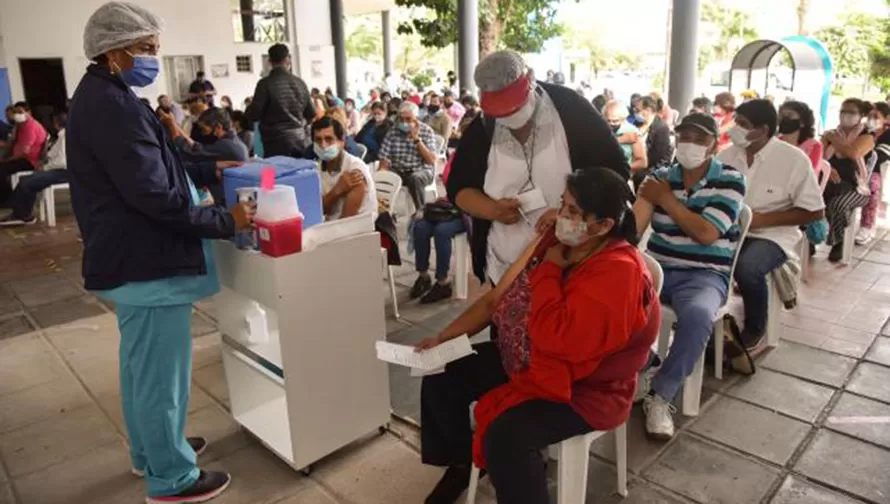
column 301, row 174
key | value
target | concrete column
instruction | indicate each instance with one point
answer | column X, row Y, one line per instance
column 684, row 53
column 313, row 46
column 467, row 42
column 387, row 42
column 339, row 40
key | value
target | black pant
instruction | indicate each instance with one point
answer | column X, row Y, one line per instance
column 513, row 441
column 415, row 182
column 284, row 146
column 7, row 168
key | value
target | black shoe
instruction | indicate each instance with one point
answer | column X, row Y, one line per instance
column 451, row 486
column 13, row 221
column 198, row 444
column 437, row 293
column 837, row 252
column 421, row 286
column 208, row 486
column 812, row 250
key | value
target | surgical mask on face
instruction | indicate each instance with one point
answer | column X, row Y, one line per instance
column 144, row 72
column 326, row 154
column 739, row 136
column 849, row 120
column 639, row 118
column 404, row 127
column 379, row 118
column 19, row 118
column 615, row 128
column 873, row 124
column 571, row 232
column 690, row 155
column 788, row 125
column 521, row 117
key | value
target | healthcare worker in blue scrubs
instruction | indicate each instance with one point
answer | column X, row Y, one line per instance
column 145, row 245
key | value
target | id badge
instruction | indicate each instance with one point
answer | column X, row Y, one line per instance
column 532, row 200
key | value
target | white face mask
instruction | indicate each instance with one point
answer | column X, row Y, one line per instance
column 571, row 232
column 850, row 120
column 739, row 136
column 522, row 116
column 19, row 118
column 873, row 125
column 690, row 155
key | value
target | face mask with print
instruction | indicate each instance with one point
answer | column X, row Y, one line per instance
column 571, row 232
column 19, row 118
column 326, row 154
column 849, row 120
column 739, row 136
column 521, row 117
column 690, row 155
column 144, row 72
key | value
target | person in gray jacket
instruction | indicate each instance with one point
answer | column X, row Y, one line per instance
column 283, row 107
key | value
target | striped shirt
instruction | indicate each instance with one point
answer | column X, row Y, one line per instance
column 718, row 199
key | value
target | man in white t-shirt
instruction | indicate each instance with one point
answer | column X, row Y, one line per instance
column 783, row 195
column 346, row 182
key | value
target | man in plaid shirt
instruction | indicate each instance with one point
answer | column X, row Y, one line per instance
column 409, row 150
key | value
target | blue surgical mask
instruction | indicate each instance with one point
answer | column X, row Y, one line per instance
column 404, row 127
column 144, row 72
column 327, row 154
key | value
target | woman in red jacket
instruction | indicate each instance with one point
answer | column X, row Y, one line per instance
column 575, row 317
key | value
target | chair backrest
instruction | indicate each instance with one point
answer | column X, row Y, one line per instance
column 363, row 151
column 744, row 224
column 440, row 144
column 388, row 185
column 655, row 271
column 823, row 170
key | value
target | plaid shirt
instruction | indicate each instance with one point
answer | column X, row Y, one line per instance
column 401, row 152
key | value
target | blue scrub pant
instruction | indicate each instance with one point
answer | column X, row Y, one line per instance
column 156, row 370
column 695, row 296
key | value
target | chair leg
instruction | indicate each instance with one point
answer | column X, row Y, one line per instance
column 804, row 259
column 574, row 457
column 462, row 267
column 474, row 485
column 41, row 203
column 718, row 349
column 392, row 290
column 49, row 202
column 664, row 336
column 692, row 388
column 620, row 433
column 774, row 308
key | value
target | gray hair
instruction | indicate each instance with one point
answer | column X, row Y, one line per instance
column 116, row 25
column 498, row 70
column 410, row 107
column 619, row 106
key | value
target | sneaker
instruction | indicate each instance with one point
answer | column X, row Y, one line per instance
column 837, row 252
column 198, row 444
column 208, row 486
column 421, row 286
column 644, row 383
column 864, row 236
column 13, row 221
column 450, row 487
column 659, row 422
column 437, row 293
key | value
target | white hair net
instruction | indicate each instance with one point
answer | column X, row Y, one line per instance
column 498, row 70
column 410, row 107
column 116, row 25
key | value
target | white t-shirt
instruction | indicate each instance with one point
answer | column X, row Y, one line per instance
column 329, row 180
column 508, row 176
column 781, row 178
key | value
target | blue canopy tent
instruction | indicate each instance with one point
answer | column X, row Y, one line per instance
column 811, row 70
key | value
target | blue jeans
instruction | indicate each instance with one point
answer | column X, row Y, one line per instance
column 758, row 258
column 25, row 194
column 155, row 374
column 442, row 233
column 695, row 296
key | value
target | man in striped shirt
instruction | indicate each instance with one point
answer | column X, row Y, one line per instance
column 694, row 207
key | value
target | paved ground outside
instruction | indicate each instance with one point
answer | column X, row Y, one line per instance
column 798, row 432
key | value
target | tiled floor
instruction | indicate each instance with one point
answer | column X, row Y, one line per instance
column 811, row 427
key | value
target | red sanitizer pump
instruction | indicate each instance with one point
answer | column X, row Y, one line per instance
column 279, row 222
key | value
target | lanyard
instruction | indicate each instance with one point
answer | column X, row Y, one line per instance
column 528, row 153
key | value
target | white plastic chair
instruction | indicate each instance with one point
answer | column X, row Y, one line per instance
column 48, row 204
column 363, row 151
column 388, row 185
column 850, row 237
column 693, row 384
column 15, row 177
column 655, row 271
column 823, row 171
column 461, row 247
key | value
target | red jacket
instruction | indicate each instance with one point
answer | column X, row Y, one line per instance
column 590, row 335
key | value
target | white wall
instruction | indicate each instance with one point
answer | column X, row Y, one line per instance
column 54, row 28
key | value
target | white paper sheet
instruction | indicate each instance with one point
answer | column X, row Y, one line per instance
column 428, row 360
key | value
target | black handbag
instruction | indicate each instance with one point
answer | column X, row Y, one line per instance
column 440, row 211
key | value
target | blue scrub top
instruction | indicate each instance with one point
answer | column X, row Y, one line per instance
column 171, row 291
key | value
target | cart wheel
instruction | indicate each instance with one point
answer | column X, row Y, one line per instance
column 306, row 470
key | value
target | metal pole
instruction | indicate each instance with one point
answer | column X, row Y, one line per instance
column 468, row 42
column 387, row 43
column 339, row 40
column 684, row 53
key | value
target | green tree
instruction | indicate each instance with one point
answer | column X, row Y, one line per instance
column 522, row 25
column 598, row 58
column 879, row 55
column 731, row 29
column 851, row 45
column 364, row 43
